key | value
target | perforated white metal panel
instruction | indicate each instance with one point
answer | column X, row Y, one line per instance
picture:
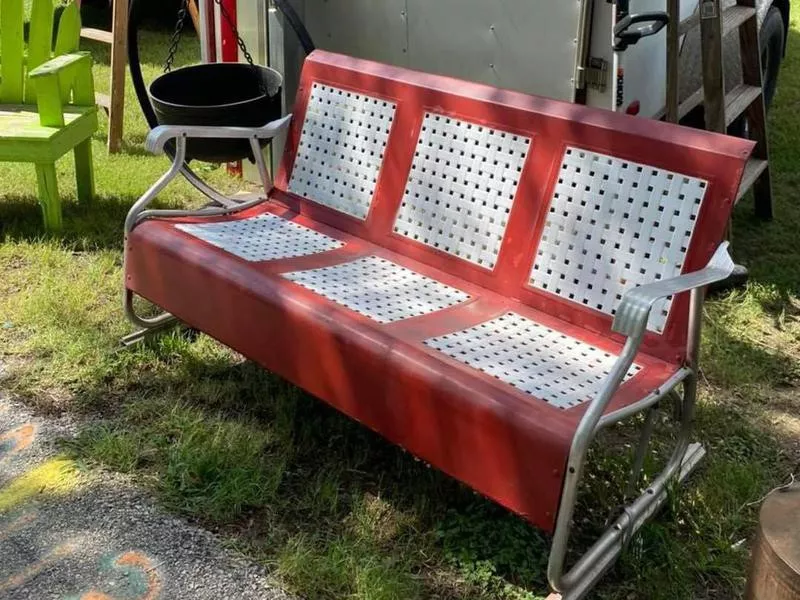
column 614, row 225
column 265, row 237
column 379, row 289
column 341, row 149
column 539, row 361
column 461, row 188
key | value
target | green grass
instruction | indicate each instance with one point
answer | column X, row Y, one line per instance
column 330, row 508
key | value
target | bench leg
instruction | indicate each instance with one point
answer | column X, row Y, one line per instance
column 49, row 199
column 576, row 583
column 146, row 325
column 603, row 554
column 140, row 335
column 84, row 171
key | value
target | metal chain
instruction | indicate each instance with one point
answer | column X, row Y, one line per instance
column 183, row 12
column 229, row 20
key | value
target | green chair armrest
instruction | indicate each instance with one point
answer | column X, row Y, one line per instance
column 61, row 63
column 56, row 79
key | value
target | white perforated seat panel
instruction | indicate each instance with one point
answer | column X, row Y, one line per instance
column 261, row 238
column 614, row 225
column 461, row 188
column 341, row 149
column 379, row 289
column 540, row 361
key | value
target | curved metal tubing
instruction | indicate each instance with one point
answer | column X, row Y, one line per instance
column 156, row 142
column 645, row 403
column 160, row 136
column 158, row 186
column 631, row 320
column 158, row 322
column 209, row 192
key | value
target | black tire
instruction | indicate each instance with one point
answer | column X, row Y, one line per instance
column 773, row 38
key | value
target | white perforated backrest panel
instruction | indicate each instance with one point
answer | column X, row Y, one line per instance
column 379, row 289
column 265, row 237
column 461, row 188
column 341, row 149
column 547, row 364
column 614, row 225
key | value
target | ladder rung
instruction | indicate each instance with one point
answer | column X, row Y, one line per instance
column 738, row 100
column 690, row 104
column 752, row 171
column 732, row 17
column 98, row 35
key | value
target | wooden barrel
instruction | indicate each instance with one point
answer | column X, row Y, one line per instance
column 775, row 572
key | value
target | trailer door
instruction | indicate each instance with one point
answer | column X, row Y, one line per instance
column 525, row 45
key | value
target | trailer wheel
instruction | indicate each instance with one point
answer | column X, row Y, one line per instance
column 772, row 40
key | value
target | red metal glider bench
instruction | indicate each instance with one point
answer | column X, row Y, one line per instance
column 483, row 277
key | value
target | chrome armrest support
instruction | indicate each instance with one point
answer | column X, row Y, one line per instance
column 630, row 320
column 160, row 136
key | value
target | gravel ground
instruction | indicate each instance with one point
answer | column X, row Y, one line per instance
column 105, row 540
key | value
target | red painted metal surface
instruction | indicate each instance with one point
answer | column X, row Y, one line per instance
column 230, row 46
column 506, row 444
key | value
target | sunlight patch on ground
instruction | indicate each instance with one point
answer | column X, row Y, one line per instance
column 56, row 477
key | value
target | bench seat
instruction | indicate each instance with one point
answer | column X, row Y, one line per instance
column 474, row 425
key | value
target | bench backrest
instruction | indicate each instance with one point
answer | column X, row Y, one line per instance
column 15, row 62
column 557, row 205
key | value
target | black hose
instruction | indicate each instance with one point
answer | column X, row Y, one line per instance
column 134, row 20
column 297, row 25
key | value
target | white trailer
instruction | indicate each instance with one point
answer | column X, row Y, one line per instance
column 562, row 49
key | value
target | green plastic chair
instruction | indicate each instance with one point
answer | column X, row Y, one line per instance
column 47, row 105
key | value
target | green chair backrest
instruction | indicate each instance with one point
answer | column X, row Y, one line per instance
column 15, row 62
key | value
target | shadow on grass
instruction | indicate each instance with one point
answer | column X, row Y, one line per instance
column 335, row 487
column 328, row 501
column 87, row 226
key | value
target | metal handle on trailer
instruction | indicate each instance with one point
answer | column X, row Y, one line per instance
column 626, row 33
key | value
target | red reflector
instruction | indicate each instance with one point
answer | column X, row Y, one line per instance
column 633, row 108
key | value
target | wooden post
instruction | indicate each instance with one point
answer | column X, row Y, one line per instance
column 119, row 59
column 194, row 12
column 756, row 113
column 713, row 82
column 118, row 39
column 673, row 60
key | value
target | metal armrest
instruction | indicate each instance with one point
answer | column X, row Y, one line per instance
column 631, row 320
column 158, row 137
column 634, row 310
